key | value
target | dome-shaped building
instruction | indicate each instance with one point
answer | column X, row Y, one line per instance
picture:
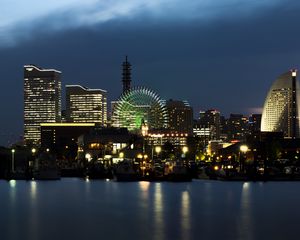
column 137, row 106
column 281, row 108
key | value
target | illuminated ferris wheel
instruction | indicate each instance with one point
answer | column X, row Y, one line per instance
column 137, row 106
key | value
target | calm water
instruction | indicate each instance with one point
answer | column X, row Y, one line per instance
column 77, row 209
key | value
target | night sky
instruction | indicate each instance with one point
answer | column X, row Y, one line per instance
column 221, row 54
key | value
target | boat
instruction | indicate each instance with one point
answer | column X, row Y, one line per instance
column 97, row 170
column 176, row 171
column 125, row 171
column 46, row 174
column 45, row 168
column 158, row 172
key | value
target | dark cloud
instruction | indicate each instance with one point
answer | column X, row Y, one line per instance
column 228, row 64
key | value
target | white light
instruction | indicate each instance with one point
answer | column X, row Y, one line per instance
column 244, row 148
column 185, row 149
column 157, row 149
column 88, row 156
column 13, row 183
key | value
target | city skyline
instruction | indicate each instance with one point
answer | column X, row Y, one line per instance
column 204, row 56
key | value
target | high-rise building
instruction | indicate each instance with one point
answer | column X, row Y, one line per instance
column 126, row 75
column 180, row 116
column 84, row 105
column 42, row 100
column 254, row 123
column 237, row 127
column 281, row 108
column 210, row 119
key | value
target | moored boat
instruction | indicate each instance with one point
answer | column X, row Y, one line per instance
column 176, row 171
column 125, row 171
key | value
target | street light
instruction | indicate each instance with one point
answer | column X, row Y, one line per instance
column 88, row 157
column 157, row 150
column 13, row 160
column 185, row 149
column 32, row 163
column 243, row 149
column 121, row 155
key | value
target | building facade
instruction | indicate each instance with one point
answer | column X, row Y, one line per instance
column 237, row 127
column 61, row 138
column 254, row 123
column 180, row 116
column 84, row 105
column 42, row 100
column 210, row 119
column 281, row 108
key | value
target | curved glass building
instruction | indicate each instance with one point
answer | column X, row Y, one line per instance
column 281, row 108
column 137, row 106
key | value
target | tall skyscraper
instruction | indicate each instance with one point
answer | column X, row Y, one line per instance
column 126, row 75
column 84, row 105
column 210, row 119
column 180, row 116
column 281, row 108
column 254, row 123
column 42, row 100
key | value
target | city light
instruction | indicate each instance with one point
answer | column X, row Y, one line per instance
column 121, row 155
column 244, row 148
column 88, row 157
column 158, row 149
column 185, row 149
column 13, row 160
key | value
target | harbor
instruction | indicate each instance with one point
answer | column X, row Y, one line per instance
column 82, row 208
column 46, row 167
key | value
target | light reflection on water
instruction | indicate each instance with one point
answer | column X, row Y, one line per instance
column 76, row 209
column 185, row 214
column 12, row 183
column 12, row 210
column 33, row 186
column 158, row 212
column 245, row 227
column 144, row 187
column 34, row 217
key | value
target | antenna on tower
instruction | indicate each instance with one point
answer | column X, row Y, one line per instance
column 126, row 75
